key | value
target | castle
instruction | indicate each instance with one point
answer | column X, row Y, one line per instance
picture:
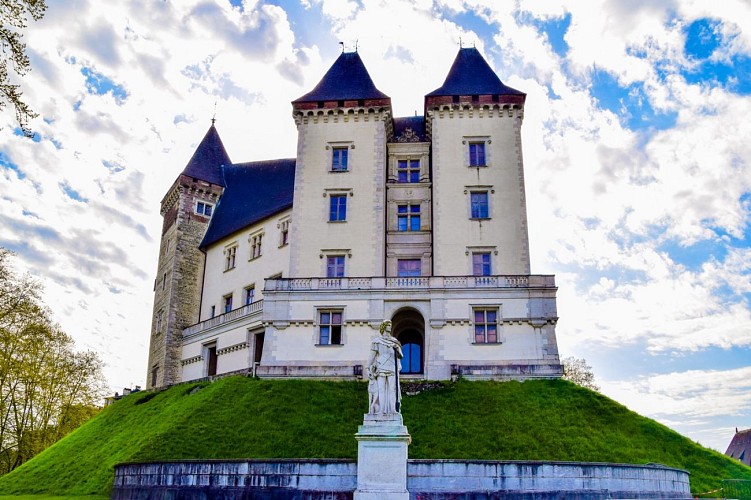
column 286, row 268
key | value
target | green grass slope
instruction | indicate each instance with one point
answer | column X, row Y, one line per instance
column 237, row 417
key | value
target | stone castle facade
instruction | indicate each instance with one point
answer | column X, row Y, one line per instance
column 285, row 268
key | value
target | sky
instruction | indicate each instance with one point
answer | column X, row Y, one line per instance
column 635, row 142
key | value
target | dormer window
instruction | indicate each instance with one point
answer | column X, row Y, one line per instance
column 203, row 208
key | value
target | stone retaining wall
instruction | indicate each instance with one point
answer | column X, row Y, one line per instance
column 427, row 480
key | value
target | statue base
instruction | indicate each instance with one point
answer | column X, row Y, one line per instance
column 382, row 443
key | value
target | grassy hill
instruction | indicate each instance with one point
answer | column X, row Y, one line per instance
column 238, row 417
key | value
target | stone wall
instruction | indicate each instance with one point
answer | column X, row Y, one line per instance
column 427, row 479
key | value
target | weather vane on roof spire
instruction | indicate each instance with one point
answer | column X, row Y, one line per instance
column 356, row 42
column 460, row 42
column 342, row 44
column 213, row 118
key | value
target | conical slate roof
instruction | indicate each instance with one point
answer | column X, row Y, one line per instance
column 471, row 75
column 210, row 155
column 740, row 447
column 347, row 79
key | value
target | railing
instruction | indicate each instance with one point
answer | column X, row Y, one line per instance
column 426, row 282
column 246, row 310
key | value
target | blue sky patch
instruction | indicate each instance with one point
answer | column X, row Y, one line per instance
column 72, row 193
column 554, row 28
column 113, row 166
column 98, row 84
column 35, row 137
column 694, row 256
column 631, row 104
column 470, row 21
column 703, row 37
column 9, row 165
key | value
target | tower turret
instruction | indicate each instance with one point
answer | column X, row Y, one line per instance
column 186, row 210
column 343, row 125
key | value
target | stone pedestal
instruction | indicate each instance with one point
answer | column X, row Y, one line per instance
column 382, row 443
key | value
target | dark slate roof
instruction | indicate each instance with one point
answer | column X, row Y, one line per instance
column 471, row 75
column 206, row 163
column 740, row 447
column 346, row 79
column 253, row 191
column 409, row 129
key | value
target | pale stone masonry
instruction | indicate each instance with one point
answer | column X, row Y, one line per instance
column 419, row 220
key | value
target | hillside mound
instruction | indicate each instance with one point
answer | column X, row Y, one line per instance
column 237, row 417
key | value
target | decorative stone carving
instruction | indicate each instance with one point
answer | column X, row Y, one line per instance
column 408, row 135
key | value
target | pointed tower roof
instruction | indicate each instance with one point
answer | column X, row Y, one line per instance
column 347, row 79
column 206, row 163
column 471, row 75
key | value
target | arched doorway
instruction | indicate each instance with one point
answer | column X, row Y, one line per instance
column 408, row 327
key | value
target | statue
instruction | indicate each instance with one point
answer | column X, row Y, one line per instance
column 384, row 395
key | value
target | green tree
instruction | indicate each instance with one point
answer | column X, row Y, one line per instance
column 47, row 388
column 14, row 16
column 579, row 372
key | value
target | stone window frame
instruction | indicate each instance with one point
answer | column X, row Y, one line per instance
column 338, row 192
column 472, row 331
column 331, row 309
column 249, row 292
column 255, row 244
column 324, row 255
column 284, row 225
column 230, row 256
column 333, row 146
column 409, row 215
column 469, row 190
column 202, row 207
column 411, row 259
column 227, row 302
column 472, row 250
column 159, row 322
column 468, row 141
column 409, row 170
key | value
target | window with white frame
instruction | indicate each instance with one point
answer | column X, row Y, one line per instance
column 339, row 158
column 338, row 208
column 481, row 264
column 408, row 217
column 477, row 154
column 229, row 257
column 479, row 206
column 284, row 232
column 250, row 294
column 227, row 303
column 335, row 266
column 486, row 325
column 256, row 241
column 330, row 327
column 203, row 208
column 408, row 171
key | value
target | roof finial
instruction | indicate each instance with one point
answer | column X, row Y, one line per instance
column 213, row 118
column 460, row 42
column 342, row 44
column 356, row 42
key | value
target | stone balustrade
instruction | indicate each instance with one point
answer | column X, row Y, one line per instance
column 246, row 310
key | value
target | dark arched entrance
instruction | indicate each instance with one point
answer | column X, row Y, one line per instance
column 408, row 327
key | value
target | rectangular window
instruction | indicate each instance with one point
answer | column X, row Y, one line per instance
column 338, row 208
column 408, row 171
column 203, row 208
column 227, row 303
column 481, row 264
column 213, row 311
column 164, row 280
column 486, row 326
column 211, row 359
column 256, row 241
column 479, row 204
column 250, row 294
column 330, row 327
column 476, row 154
column 409, row 268
column 408, row 217
column 335, row 266
column 339, row 159
column 284, row 233
column 154, row 375
column 159, row 321
column 229, row 258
